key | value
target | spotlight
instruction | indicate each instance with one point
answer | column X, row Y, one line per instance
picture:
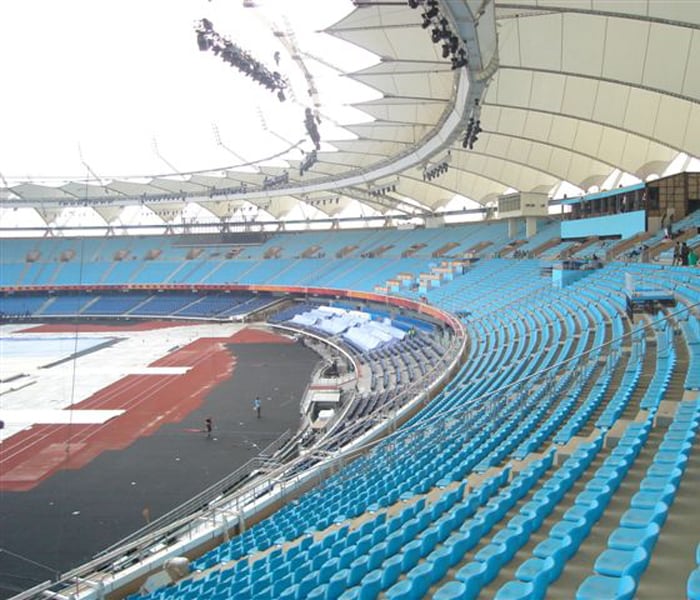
column 445, row 50
column 208, row 39
column 413, row 3
column 435, row 35
column 432, row 12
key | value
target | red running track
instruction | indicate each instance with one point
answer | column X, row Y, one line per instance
column 32, row 455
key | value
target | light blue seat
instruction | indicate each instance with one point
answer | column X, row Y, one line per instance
column 452, row 590
column 693, row 586
column 576, row 529
column 626, row 538
column 411, row 555
column 599, row 587
column 377, row 554
column 393, row 542
column 473, row 530
column 371, row 585
column 512, row 539
column 525, row 523
column 560, row 549
column 472, row 575
column 351, row 594
column 590, row 513
column 536, row 510
column 522, row 590
column 641, row 517
column 678, row 446
column 617, row 563
column 533, row 568
column 337, row 584
column 318, row 593
column 649, row 499
column 348, row 555
column 421, row 578
column 428, row 541
column 400, row 591
column 669, row 471
column 440, row 558
column 654, row 484
column 308, row 583
column 358, row 569
column 458, row 544
column 494, row 556
column 391, row 571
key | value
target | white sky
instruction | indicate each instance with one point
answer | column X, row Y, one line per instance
column 120, row 78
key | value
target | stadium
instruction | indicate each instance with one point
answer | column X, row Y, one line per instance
column 415, row 316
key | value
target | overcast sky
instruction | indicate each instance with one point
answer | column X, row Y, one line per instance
column 124, row 82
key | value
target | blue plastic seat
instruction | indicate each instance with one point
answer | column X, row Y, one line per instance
column 641, row 517
column 391, row 571
column 534, row 568
column 626, row 538
column 428, row 541
column 421, row 578
column 512, row 539
column 576, row 529
column 597, row 587
column 337, row 584
column 693, row 586
column 371, row 585
column 400, row 591
column 521, row 590
column 440, row 558
column 452, row 590
column 358, row 569
column 494, row 556
column 649, row 499
column 560, row 549
column 617, row 563
column 669, row 471
column 472, row 575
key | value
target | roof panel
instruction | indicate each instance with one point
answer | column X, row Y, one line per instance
column 547, row 91
column 667, row 45
column 691, row 143
column 579, row 97
column 677, row 10
column 641, row 112
column 611, row 103
column 538, row 37
column 672, row 120
column 612, row 147
column 82, row 190
column 563, row 132
column 625, row 49
column 691, row 82
column 583, row 45
column 34, row 191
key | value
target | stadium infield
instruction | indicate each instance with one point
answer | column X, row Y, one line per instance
column 74, row 499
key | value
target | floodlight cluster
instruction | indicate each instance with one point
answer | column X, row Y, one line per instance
column 277, row 181
column 308, row 162
column 382, row 190
column 433, row 171
column 472, row 133
column 440, row 32
column 210, row 40
column 311, row 123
